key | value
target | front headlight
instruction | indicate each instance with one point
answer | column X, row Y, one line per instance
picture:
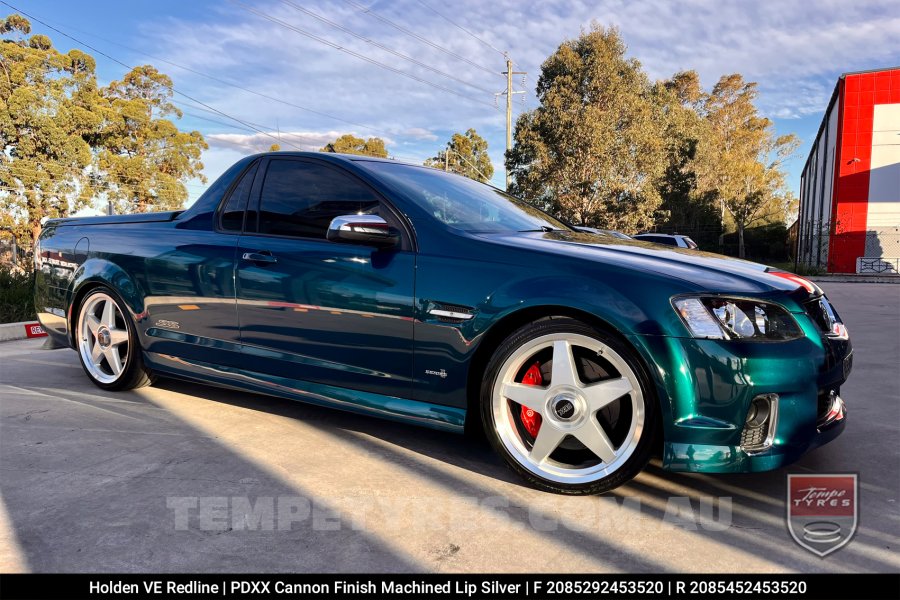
column 719, row 318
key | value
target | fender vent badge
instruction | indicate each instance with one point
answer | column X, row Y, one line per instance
column 450, row 313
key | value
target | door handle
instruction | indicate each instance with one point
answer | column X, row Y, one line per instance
column 261, row 258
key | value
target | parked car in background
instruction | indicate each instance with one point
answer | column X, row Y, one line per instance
column 408, row 293
column 612, row 232
column 680, row 241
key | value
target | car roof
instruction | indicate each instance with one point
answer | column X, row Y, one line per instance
column 333, row 156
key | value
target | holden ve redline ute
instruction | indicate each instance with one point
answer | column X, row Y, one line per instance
column 405, row 292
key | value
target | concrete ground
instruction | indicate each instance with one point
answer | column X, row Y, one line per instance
column 182, row 477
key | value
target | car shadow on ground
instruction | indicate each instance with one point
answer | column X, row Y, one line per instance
column 88, row 476
column 91, row 479
column 757, row 500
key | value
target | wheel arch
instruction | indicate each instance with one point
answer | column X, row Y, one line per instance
column 95, row 273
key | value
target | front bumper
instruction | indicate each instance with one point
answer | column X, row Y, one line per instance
column 707, row 387
column 710, row 458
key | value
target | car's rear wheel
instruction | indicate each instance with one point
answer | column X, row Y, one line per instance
column 107, row 343
column 569, row 407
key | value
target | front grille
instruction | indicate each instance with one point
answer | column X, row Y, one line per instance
column 848, row 365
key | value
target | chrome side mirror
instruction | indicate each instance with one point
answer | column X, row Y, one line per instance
column 364, row 230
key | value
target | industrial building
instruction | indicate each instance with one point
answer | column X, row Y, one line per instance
column 849, row 219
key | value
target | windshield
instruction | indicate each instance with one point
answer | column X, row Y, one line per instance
column 463, row 203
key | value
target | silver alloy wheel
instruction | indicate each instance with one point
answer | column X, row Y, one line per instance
column 103, row 338
column 568, row 407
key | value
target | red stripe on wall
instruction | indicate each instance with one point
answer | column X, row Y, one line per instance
column 850, row 204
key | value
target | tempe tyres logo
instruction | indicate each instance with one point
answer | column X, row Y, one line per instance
column 822, row 511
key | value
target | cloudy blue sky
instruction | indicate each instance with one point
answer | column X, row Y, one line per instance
column 301, row 88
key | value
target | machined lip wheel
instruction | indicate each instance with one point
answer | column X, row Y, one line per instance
column 568, row 408
column 103, row 338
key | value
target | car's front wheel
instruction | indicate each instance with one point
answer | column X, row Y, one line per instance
column 569, row 407
column 107, row 343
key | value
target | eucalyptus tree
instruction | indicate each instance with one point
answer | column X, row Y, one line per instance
column 466, row 154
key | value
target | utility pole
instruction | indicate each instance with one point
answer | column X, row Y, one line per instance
column 447, row 158
column 509, row 94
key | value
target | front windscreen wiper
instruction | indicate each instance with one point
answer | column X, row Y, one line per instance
column 544, row 229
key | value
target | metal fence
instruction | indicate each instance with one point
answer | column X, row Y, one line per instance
column 881, row 250
column 12, row 256
column 882, row 254
column 811, row 245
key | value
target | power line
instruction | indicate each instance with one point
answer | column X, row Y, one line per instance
column 415, row 35
column 231, row 125
column 115, row 60
column 448, row 151
column 223, row 123
column 469, row 162
column 312, row 139
column 356, row 54
column 461, row 28
column 232, row 84
column 410, row 159
column 383, row 47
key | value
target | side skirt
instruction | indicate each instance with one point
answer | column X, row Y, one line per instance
column 434, row 416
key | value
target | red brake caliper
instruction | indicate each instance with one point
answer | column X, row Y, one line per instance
column 530, row 419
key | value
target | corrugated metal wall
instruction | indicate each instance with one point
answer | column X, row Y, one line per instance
column 850, row 186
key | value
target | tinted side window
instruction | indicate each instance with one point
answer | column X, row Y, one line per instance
column 658, row 239
column 232, row 218
column 300, row 199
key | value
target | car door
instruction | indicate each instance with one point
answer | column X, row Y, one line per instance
column 315, row 310
column 191, row 305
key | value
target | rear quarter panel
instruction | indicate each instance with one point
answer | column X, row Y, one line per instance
column 163, row 271
column 55, row 266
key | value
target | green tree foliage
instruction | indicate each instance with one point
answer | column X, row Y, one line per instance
column 681, row 98
column 144, row 158
column 350, row 144
column 740, row 160
column 465, row 154
column 67, row 142
column 608, row 148
column 593, row 151
column 47, row 102
column 16, row 295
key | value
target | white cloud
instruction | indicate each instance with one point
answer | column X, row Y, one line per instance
column 794, row 50
column 310, row 141
column 420, row 133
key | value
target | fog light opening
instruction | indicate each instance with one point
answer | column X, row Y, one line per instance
column 758, row 413
column 759, row 425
